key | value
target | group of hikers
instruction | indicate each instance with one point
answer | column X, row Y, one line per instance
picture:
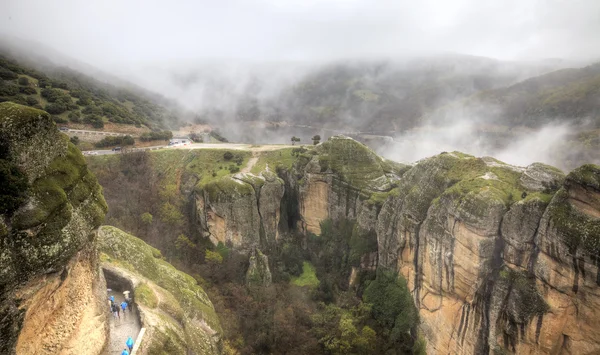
column 116, row 308
column 116, row 311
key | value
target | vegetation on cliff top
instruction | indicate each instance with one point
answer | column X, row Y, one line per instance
column 578, row 229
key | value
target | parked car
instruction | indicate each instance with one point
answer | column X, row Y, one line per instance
column 116, row 149
column 65, row 129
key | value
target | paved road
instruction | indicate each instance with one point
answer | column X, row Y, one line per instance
column 232, row 146
column 99, row 133
column 128, row 325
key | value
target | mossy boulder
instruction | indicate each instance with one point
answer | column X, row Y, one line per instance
column 58, row 212
column 176, row 310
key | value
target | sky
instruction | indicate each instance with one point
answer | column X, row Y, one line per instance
column 105, row 33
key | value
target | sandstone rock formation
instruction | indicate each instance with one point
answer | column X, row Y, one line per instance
column 499, row 258
column 48, row 259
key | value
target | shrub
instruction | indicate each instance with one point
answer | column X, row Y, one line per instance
column 59, row 119
column 217, row 135
column 213, row 257
column 234, row 169
column 75, row 117
column 94, row 120
column 43, row 83
column 27, row 90
column 56, row 108
column 146, row 218
column 7, row 74
column 23, row 81
column 227, row 156
column 155, row 136
column 74, row 140
column 31, row 101
column 115, row 140
column 8, row 88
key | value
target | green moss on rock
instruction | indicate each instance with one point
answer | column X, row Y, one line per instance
column 123, row 248
column 586, row 175
column 354, row 162
column 144, row 295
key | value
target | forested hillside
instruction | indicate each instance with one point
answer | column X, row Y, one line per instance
column 70, row 96
column 563, row 96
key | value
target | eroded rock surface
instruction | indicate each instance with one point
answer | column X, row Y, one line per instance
column 48, row 259
column 499, row 258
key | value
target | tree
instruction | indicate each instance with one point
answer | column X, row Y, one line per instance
column 228, row 156
column 27, row 90
column 146, row 218
column 393, row 305
column 74, row 140
column 295, row 139
column 23, row 81
column 316, row 139
column 171, row 215
column 7, row 74
column 31, row 101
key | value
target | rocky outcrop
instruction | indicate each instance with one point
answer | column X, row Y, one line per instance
column 258, row 273
column 51, row 207
column 178, row 315
column 499, row 258
column 242, row 211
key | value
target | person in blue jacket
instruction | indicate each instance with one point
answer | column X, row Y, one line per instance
column 129, row 343
column 125, row 352
column 123, row 306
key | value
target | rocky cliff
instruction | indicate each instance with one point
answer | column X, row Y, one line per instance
column 51, row 206
column 499, row 258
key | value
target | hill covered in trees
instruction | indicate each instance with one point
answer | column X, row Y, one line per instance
column 70, row 96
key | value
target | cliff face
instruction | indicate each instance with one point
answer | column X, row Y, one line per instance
column 51, row 296
column 499, row 258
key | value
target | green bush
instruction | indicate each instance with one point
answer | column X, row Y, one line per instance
column 75, row 117
column 27, row 90
column 227, row 155
column 23, row 81
column 8, row 88
column 392, row 304
column 156, row 136
column 74, row 140
column 95, row 120
column 31, row 101
column 56, row 108
column 58, row 119
column 7, row 74
column 115, row 140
